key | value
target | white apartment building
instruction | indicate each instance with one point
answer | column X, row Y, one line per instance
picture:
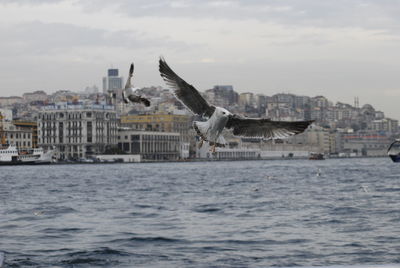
column 77, row 130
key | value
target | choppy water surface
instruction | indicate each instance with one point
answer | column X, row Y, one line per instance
column 206, row 214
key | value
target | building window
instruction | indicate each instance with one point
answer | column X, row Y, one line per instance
column 135, row 147
column 125, row 147
column 89, row 132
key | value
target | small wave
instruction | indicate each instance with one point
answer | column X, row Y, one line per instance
column 260, row 242
column 155, row 239
column 389, row 212
column 60, row 210
column 8, row 226
column 392, row 189
column 206, row 209
column 142, row 206
column 355, row 244
column 345, row 210
column 100, row 251
column 144, row 215
column 61, row 230
column 332, row 221
column 26, row 218
column 138, row 239
column 21, row 262
column 84, row 261
column 100, row 257
column 356, row 229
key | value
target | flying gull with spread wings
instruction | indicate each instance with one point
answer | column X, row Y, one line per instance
column 220, row 118
column 129, row 93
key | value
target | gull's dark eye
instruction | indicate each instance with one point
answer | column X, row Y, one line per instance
column 223, row 112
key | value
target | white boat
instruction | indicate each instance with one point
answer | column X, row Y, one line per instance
column 15, row 156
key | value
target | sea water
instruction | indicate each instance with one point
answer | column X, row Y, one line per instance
column 202, row 214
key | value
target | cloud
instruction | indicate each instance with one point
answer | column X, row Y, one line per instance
column 37, row 38
column 339, row 13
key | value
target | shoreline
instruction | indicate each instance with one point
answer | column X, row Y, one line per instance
column 189, row 160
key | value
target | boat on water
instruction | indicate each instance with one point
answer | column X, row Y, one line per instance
column 316, row 156
column 12, row 155
column 394, row 151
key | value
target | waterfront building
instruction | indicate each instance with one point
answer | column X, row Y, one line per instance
column 30, row 127
column 150, row 145
column 160, row 122
column 11, row 134
column 365, row 143
column 77, row 130
column 242, row 153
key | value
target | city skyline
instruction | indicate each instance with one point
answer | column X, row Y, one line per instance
column 355, row 103
column 339, row 50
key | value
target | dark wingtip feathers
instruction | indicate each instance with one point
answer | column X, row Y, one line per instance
column 145, row 101
column 131, row 69
column 166, row 72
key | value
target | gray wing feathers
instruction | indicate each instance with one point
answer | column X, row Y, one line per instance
column 139, row 99
column 128, row 81
column 186, row 93
column 265, row 128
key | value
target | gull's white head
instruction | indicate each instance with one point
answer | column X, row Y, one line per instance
column 222, row 112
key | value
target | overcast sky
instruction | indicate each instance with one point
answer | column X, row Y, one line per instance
column 339, row 49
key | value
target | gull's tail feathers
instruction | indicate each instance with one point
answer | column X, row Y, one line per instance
column 221, row 142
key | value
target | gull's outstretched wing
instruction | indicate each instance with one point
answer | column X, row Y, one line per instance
column 128, row 81
column 186, row 93
column 139, row 99
column 265, row 128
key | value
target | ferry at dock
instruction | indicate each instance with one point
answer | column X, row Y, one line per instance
column 12, row 155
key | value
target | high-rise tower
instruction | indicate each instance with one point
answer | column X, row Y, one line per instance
column 112, row 82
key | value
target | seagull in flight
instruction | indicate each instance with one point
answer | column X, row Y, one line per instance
column 220, row 118
column 129, row 92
